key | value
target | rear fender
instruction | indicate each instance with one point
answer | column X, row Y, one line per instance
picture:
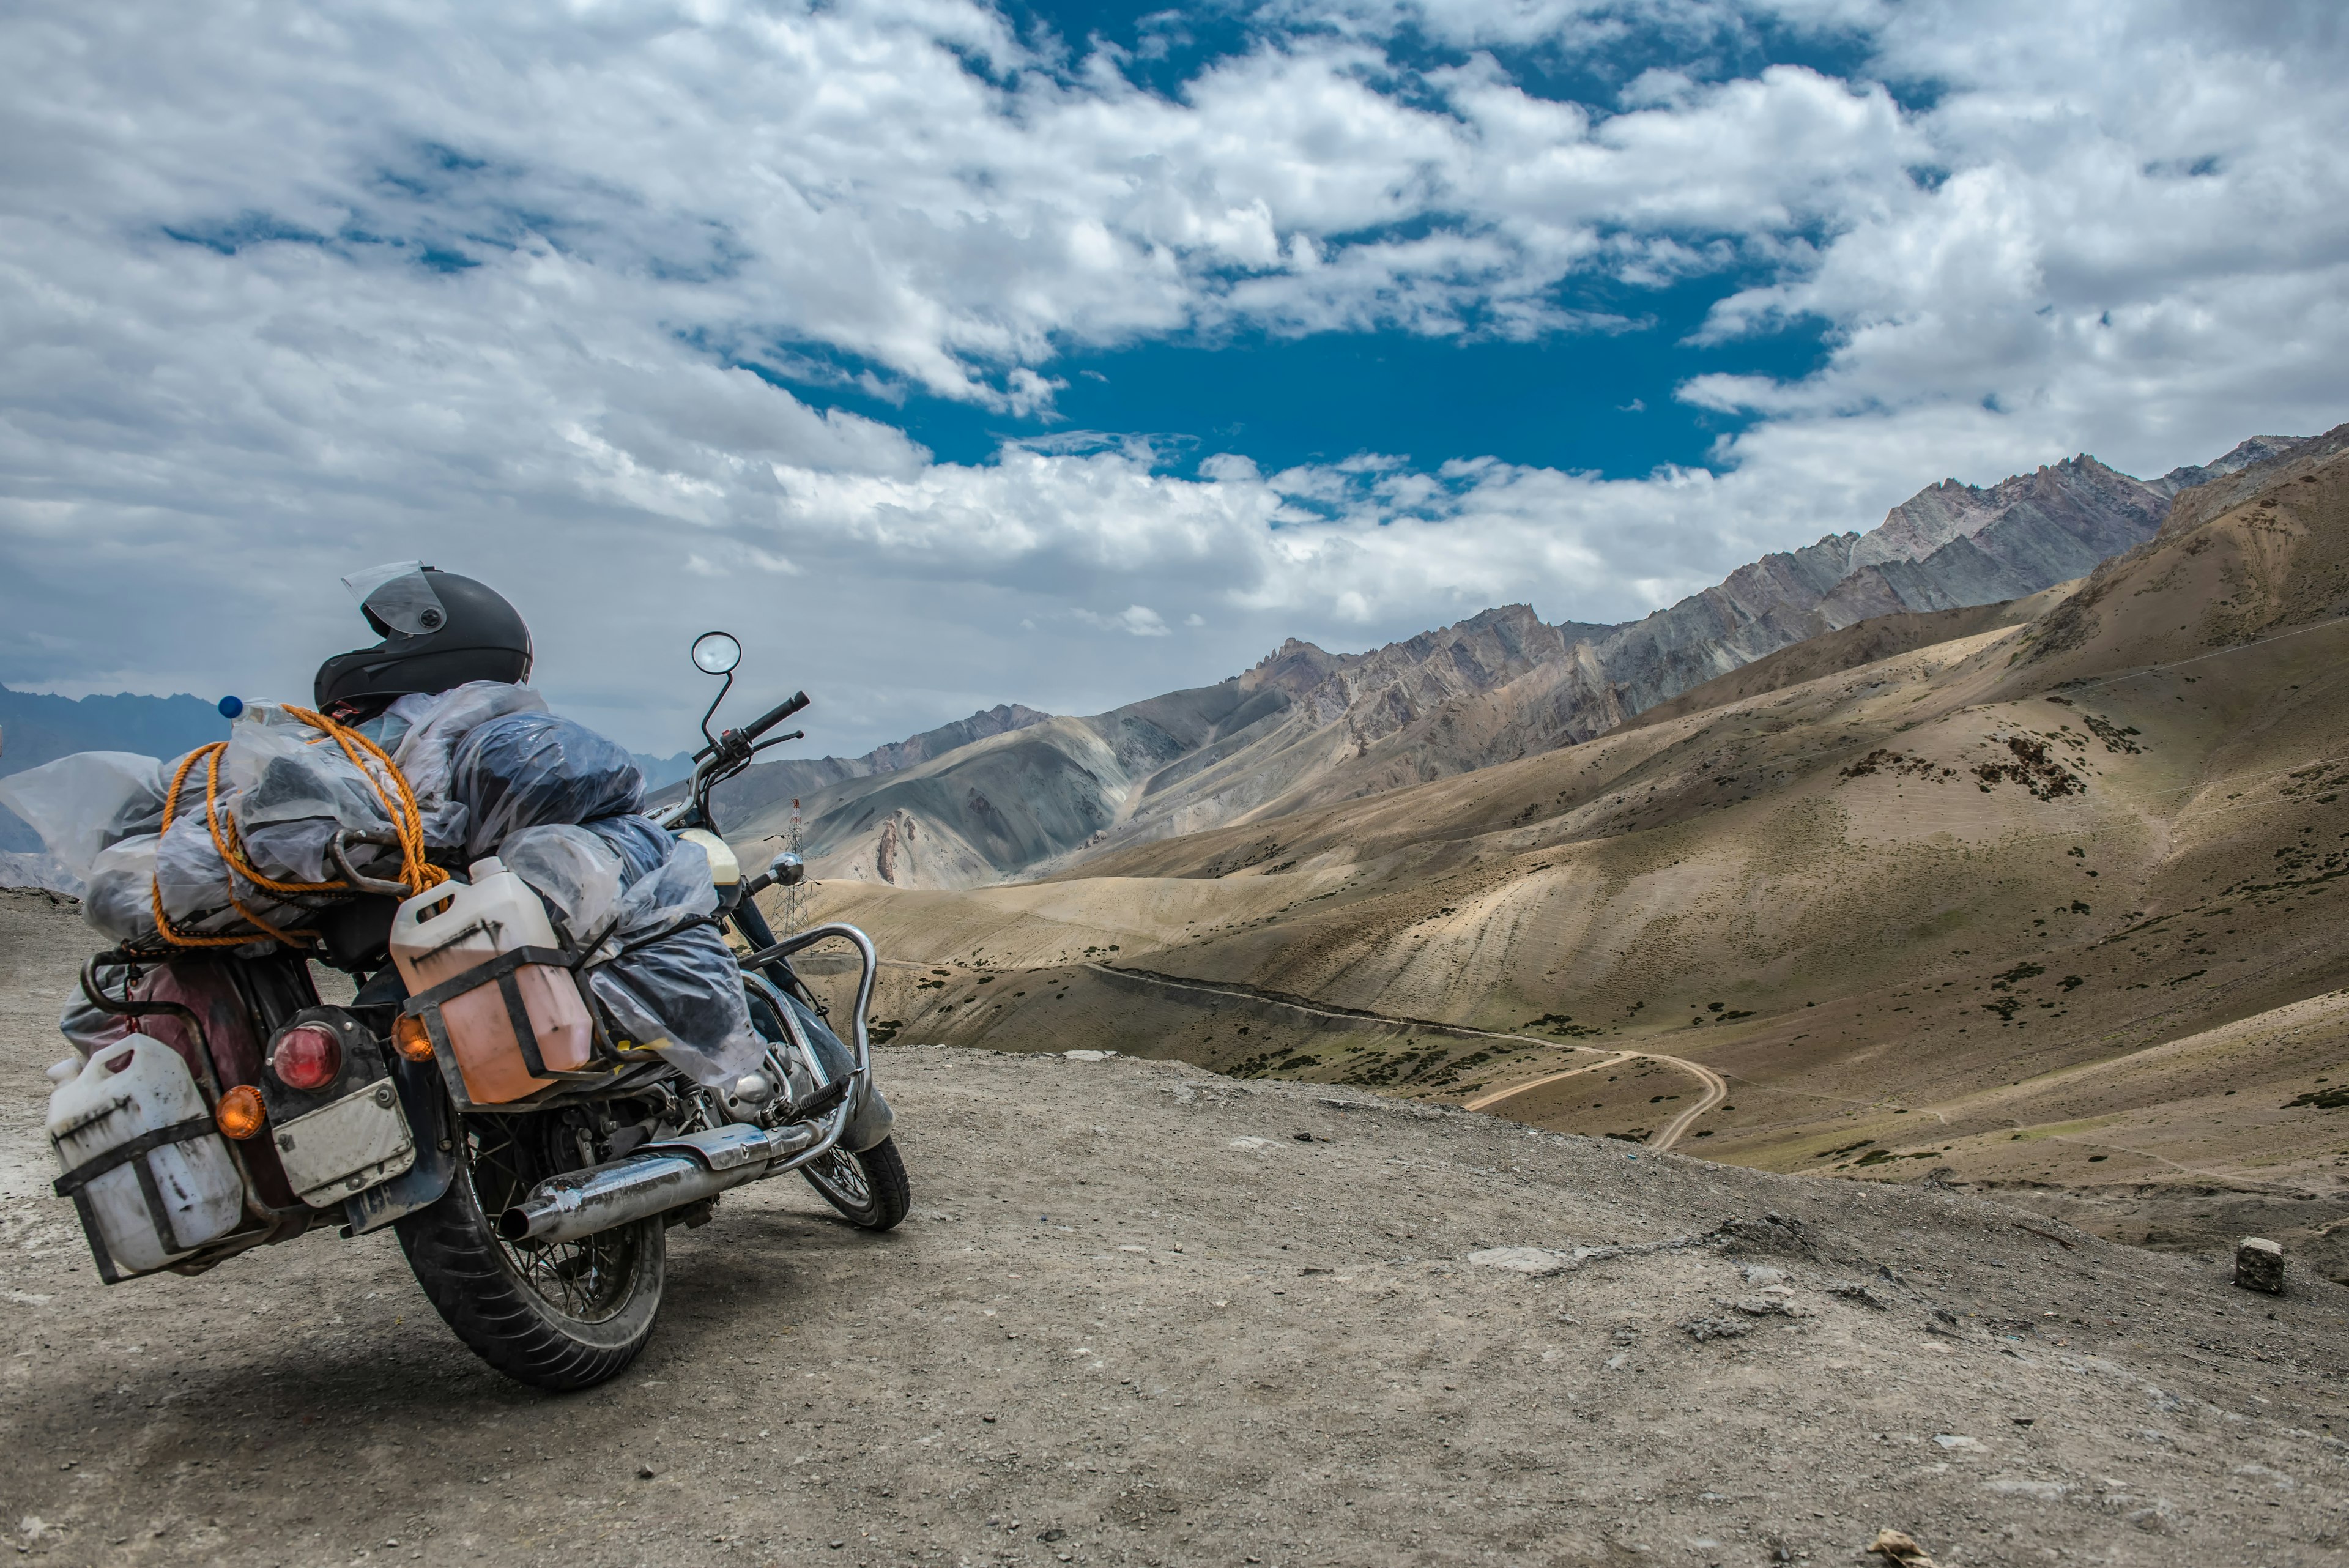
column 425, row 1101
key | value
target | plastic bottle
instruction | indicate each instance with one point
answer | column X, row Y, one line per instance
column 443, row 932
column 136, row 1085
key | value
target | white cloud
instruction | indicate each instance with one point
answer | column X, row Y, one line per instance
column 226, row 374
column 1134, row 620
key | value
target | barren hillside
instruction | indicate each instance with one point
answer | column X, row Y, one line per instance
column 1012, row 792
column 2047, row 904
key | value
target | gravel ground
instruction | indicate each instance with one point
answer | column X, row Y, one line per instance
column 1138, row 1317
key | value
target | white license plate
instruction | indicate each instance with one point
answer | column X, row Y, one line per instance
column 348, row 1147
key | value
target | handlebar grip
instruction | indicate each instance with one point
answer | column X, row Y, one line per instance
column 782, row 711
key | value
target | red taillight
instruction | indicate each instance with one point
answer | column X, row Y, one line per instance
column 307, row 1057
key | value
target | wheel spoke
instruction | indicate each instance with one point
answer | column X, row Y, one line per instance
column 586, row 1279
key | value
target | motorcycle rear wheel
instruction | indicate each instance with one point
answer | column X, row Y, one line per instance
column 558, row 1317
column 870, row 1190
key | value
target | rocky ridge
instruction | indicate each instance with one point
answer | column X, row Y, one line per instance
column 1306, row 726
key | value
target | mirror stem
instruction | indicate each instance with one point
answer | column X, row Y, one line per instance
column 713, row 708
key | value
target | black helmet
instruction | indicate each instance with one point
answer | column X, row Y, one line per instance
column 438, row 630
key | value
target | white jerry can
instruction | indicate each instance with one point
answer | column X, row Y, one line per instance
column 178, row 1190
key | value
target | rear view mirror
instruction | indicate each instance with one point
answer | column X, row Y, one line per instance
column 716, row 653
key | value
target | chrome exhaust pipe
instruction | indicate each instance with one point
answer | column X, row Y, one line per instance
column 666, row 1174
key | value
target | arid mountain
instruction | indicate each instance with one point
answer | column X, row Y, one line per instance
column 1306, row 727
column 2025, row 907
column 767, row 790
column 1016, row 802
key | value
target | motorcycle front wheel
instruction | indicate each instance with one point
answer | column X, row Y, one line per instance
column 870, row 1190
column 557, row 1316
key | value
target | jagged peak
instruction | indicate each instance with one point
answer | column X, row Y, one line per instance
column 1291, row 648
column 1014, row 714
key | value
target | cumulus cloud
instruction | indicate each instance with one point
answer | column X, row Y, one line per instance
column 292, row 290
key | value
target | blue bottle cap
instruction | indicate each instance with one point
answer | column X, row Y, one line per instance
column 230, row 707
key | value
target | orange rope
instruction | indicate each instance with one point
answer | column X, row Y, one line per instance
column 391, row 788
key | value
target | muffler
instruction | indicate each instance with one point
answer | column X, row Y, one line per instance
column 666, row 1174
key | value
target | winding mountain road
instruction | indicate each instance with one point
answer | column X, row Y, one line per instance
column 1715, row 1089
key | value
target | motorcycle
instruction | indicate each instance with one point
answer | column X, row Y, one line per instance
column 537, row 1226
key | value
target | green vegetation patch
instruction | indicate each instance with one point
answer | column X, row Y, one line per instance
column 1562, row 1024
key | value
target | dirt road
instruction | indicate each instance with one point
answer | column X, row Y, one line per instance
column 1138, row 1319
column 1715, row 1089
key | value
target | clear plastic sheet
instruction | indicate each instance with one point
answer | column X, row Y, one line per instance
column 682, row 996
column 87, row 1027
column 678, row 889
column 293, row 792
column 117, row 903
column 669, row 978
column 82, row 803
column 640, row 844
column 423, row 731
column 188, row 872
column 526, row 769
column 574, row 870
column 289, row 792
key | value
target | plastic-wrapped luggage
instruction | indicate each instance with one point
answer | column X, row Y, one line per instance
column 656, row 961
column 528, row 769
column 493, row 773
column 84, row 804
column 422, row 732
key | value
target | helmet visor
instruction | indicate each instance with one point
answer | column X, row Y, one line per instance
column 399, row 595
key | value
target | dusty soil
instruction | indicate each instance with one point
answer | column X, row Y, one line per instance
column 1137, row 1318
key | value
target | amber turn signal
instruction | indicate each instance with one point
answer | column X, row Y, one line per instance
column 241, row 1112
column 412, row 1040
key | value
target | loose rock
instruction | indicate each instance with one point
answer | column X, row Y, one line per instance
column 1897, row 1546
column 2258, row 1265
column 1703, row 1328
column 1861, row 1293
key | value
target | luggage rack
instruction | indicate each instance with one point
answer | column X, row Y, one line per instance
column 425, row 1007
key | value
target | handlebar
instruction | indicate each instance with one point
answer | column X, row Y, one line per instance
column 739, row 740
column 780, row 711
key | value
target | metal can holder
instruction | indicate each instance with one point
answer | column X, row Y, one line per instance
column 73, row 1183
column 263, row 1224
column 500, row 971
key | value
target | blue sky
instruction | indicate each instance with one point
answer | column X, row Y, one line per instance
column 1599, row 400
column 956, row 355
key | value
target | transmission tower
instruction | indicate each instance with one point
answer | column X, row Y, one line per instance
column 795, row 895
